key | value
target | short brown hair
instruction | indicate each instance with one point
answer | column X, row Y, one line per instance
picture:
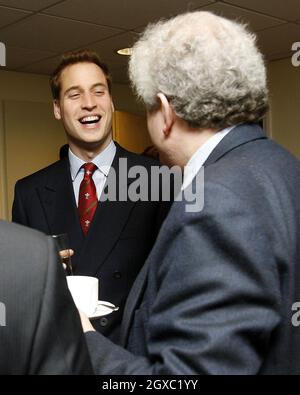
column 73, row 57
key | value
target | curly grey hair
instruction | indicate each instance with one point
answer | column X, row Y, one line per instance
column 207, row 66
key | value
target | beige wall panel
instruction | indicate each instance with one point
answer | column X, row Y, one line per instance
column 24, row 87
column 130, row 131
column 124, row 100
column 3, row 186
column 284, row 117
column 34, row 87
column 33, row 138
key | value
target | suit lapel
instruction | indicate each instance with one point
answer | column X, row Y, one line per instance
column 58, row 201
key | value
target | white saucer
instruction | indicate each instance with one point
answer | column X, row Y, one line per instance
column 102, row 310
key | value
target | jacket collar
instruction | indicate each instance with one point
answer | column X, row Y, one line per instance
column 240, row 135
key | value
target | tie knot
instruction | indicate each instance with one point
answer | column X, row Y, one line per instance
column 89, row 169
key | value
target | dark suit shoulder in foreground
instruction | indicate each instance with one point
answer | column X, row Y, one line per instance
column 42, row 332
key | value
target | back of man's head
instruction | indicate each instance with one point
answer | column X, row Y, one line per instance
column 207, row 66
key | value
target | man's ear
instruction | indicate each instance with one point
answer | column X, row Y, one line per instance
column 56, row 109
column 167, row 113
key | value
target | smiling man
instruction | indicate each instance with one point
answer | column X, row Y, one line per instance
column 85, row 106
column 111, row 239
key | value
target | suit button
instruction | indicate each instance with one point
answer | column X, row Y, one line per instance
column 117, row 275
column 103, row 321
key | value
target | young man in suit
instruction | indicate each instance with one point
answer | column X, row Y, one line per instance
column 40, row 330
column 217, row 291
column 111, row 239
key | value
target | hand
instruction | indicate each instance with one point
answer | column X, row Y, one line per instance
column 86, row 323
column 66, row 254
column 62, row 244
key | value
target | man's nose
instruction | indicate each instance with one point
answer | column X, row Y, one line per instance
column 88, row 101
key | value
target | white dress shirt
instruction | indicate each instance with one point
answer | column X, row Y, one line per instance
column 200, row 156
column 103, row 161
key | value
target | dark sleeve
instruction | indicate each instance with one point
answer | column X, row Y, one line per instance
column 58, row 345
column 18, row 211
column 218, row 295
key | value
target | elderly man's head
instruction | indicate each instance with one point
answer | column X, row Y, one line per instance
column 207, row 67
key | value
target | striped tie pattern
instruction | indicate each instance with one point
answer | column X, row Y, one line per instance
column 87, row 202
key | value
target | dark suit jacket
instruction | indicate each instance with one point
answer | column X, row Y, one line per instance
column 40, row 329
column 119, row 240
column 216, row 294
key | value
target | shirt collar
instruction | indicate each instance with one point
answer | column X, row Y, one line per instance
column 103, row 160
column 200, row 156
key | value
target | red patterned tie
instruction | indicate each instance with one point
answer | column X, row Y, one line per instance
column 87, row 202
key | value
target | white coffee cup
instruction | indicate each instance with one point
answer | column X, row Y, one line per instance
column 84, row 290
